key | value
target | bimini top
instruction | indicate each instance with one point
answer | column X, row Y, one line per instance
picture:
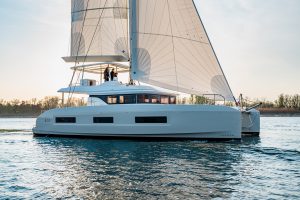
column 116, row 88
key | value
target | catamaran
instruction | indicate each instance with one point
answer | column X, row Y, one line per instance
column 164, row 48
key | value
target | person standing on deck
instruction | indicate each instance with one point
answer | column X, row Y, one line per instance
column 106, row 74
column 112, row 74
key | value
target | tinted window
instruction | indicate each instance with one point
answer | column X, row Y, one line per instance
column 172, row 100
column 65, row 120
column 155, row 99
column 112, row 99
column 164, row 99
column 143, row 98
column 140, row 98
column 127, row 99
column 99, row 120
column 151, row 120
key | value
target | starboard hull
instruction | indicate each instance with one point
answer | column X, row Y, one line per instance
column 179, row 122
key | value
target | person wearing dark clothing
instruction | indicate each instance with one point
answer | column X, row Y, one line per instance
column 112, row 74
column 106, row 74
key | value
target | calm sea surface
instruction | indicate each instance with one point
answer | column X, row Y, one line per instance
column 265, row 167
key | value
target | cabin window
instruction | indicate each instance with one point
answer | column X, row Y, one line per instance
column 155, row 99
column 137, row 98
column 112, row 99
column 121, row 99
column 164, row 99
column 143, row 98
column 172, row 100
column 151, row 120
column 65, row 120
column 127, row 99
column 103, row 120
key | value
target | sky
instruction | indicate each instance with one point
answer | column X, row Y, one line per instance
column 257, row 43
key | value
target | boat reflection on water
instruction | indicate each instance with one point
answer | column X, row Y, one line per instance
column 112, row 169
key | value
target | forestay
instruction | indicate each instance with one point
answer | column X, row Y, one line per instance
column 173, row 50
column 99, row 28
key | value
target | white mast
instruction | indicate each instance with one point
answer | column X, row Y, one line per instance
column 133, row 38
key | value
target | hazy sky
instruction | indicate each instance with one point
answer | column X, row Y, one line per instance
column 257, row 42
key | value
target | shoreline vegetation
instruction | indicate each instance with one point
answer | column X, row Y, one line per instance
column 33, row 107
column 284, row 105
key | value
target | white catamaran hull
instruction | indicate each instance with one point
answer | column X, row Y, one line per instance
column 251, row 122
column 181, row 121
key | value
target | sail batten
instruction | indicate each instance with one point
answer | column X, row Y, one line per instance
column 173, row 50
column 157, row 34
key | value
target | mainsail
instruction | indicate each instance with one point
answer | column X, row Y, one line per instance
column 171, row 49
column 99, row 31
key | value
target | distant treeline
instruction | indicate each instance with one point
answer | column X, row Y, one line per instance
column 283, row 101
column 33, row 107
column 283, row 104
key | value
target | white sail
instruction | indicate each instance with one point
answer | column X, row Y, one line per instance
column 171, row 49
column 99, row 30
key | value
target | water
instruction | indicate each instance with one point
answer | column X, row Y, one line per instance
column 265, row 167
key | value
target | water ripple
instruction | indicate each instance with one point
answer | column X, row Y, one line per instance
column 264, row 167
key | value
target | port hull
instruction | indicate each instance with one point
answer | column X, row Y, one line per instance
column 251, row 122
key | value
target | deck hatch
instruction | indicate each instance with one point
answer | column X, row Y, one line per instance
column 155, row 120
column 65, row 120
column 103, row 120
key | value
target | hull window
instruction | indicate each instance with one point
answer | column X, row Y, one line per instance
column 151, row 120
column 103, row 120
column 65, row 120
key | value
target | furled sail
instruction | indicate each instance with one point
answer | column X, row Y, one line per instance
column 172, row 50
column 99, row 30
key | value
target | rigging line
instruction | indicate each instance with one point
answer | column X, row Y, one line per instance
column 99, row 20
column 81, row 31
column 173, row 44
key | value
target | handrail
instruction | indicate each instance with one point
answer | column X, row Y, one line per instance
column 216, row 95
